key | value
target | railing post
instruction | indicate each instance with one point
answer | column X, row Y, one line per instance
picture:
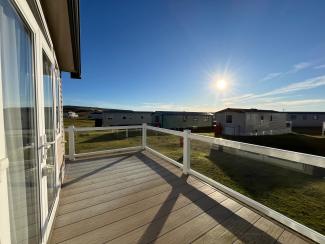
column 186, row 152
column 144, row 135
column 71, row 143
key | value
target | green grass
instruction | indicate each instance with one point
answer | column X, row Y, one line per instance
column 79, row 122
column 313, row 131
column 99, row 140
column 296, row 195
column 169, row 145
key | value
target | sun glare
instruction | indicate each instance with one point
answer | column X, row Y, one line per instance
column 221, row 85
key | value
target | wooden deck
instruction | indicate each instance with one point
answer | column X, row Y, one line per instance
column 139, row 198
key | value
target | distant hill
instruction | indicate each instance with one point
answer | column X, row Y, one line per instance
column 84, row 111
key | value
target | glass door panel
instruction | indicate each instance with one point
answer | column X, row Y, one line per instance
column 49, row 129
column 19, row 109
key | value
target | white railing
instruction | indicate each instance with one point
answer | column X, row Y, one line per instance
column 288, row 156
column 72, row 146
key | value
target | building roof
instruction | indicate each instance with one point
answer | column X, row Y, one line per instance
column 305, row 112
column 110, row 111
column 251, row 110
column 63, row 22
column 183, row 113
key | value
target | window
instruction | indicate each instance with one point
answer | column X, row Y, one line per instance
column 271, row 118
column 262, row 118
column 293, row 117
column 124, row 117
column 184, row 118
column 229, row 119
column 141, row 117
column 315, row 117
column 195, row 119
column 304, row 117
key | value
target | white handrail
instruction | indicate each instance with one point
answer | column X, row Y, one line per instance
column 167, row 131
column 297, row 157
column 80, row 129
column 71, row 134
column 292, row 156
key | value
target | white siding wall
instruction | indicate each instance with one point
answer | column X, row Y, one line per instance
column 306, row 120
column 180, row 121
column 267, row 126
column 136, row 118
column 250, row 123
column 236, row 127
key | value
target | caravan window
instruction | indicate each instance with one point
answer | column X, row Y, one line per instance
column 228, row 118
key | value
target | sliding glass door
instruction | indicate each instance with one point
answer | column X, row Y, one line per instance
column 49, row 125
column 19, row 109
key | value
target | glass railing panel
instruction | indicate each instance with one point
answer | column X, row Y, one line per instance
column 166, row 144
column 92, row 141
column 293, row 189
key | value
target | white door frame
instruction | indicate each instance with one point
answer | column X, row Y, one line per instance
column 4, row 164
column 46, row 217
column 39, row 45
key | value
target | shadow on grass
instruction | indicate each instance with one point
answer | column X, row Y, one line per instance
column 257, row 178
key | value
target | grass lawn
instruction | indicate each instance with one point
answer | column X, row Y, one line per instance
column 79, row 122
column 296, row 195
column 314, row 131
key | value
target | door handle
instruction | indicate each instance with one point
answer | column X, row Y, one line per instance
column 28, row 146
column 47, row 169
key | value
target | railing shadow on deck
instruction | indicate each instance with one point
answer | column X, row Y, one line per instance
column 155, row 227
column 73, row 181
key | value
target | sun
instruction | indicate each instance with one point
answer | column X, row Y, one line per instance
column 221, row 85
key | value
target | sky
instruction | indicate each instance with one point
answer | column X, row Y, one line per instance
column 171, row 55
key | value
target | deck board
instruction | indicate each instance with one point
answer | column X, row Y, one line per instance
column 140, row 198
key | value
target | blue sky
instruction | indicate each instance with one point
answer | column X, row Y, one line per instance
column 168, row 55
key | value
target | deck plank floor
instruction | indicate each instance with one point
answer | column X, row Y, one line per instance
column 140, row 198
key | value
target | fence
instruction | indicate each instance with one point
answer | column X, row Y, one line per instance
column 277, row 156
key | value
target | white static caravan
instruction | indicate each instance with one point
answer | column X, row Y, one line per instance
column 182, row 120
column 306, row 119
column 72, row 115
column 247, row 122
column 125, row 117
column 95, row 115
column 38, row 40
